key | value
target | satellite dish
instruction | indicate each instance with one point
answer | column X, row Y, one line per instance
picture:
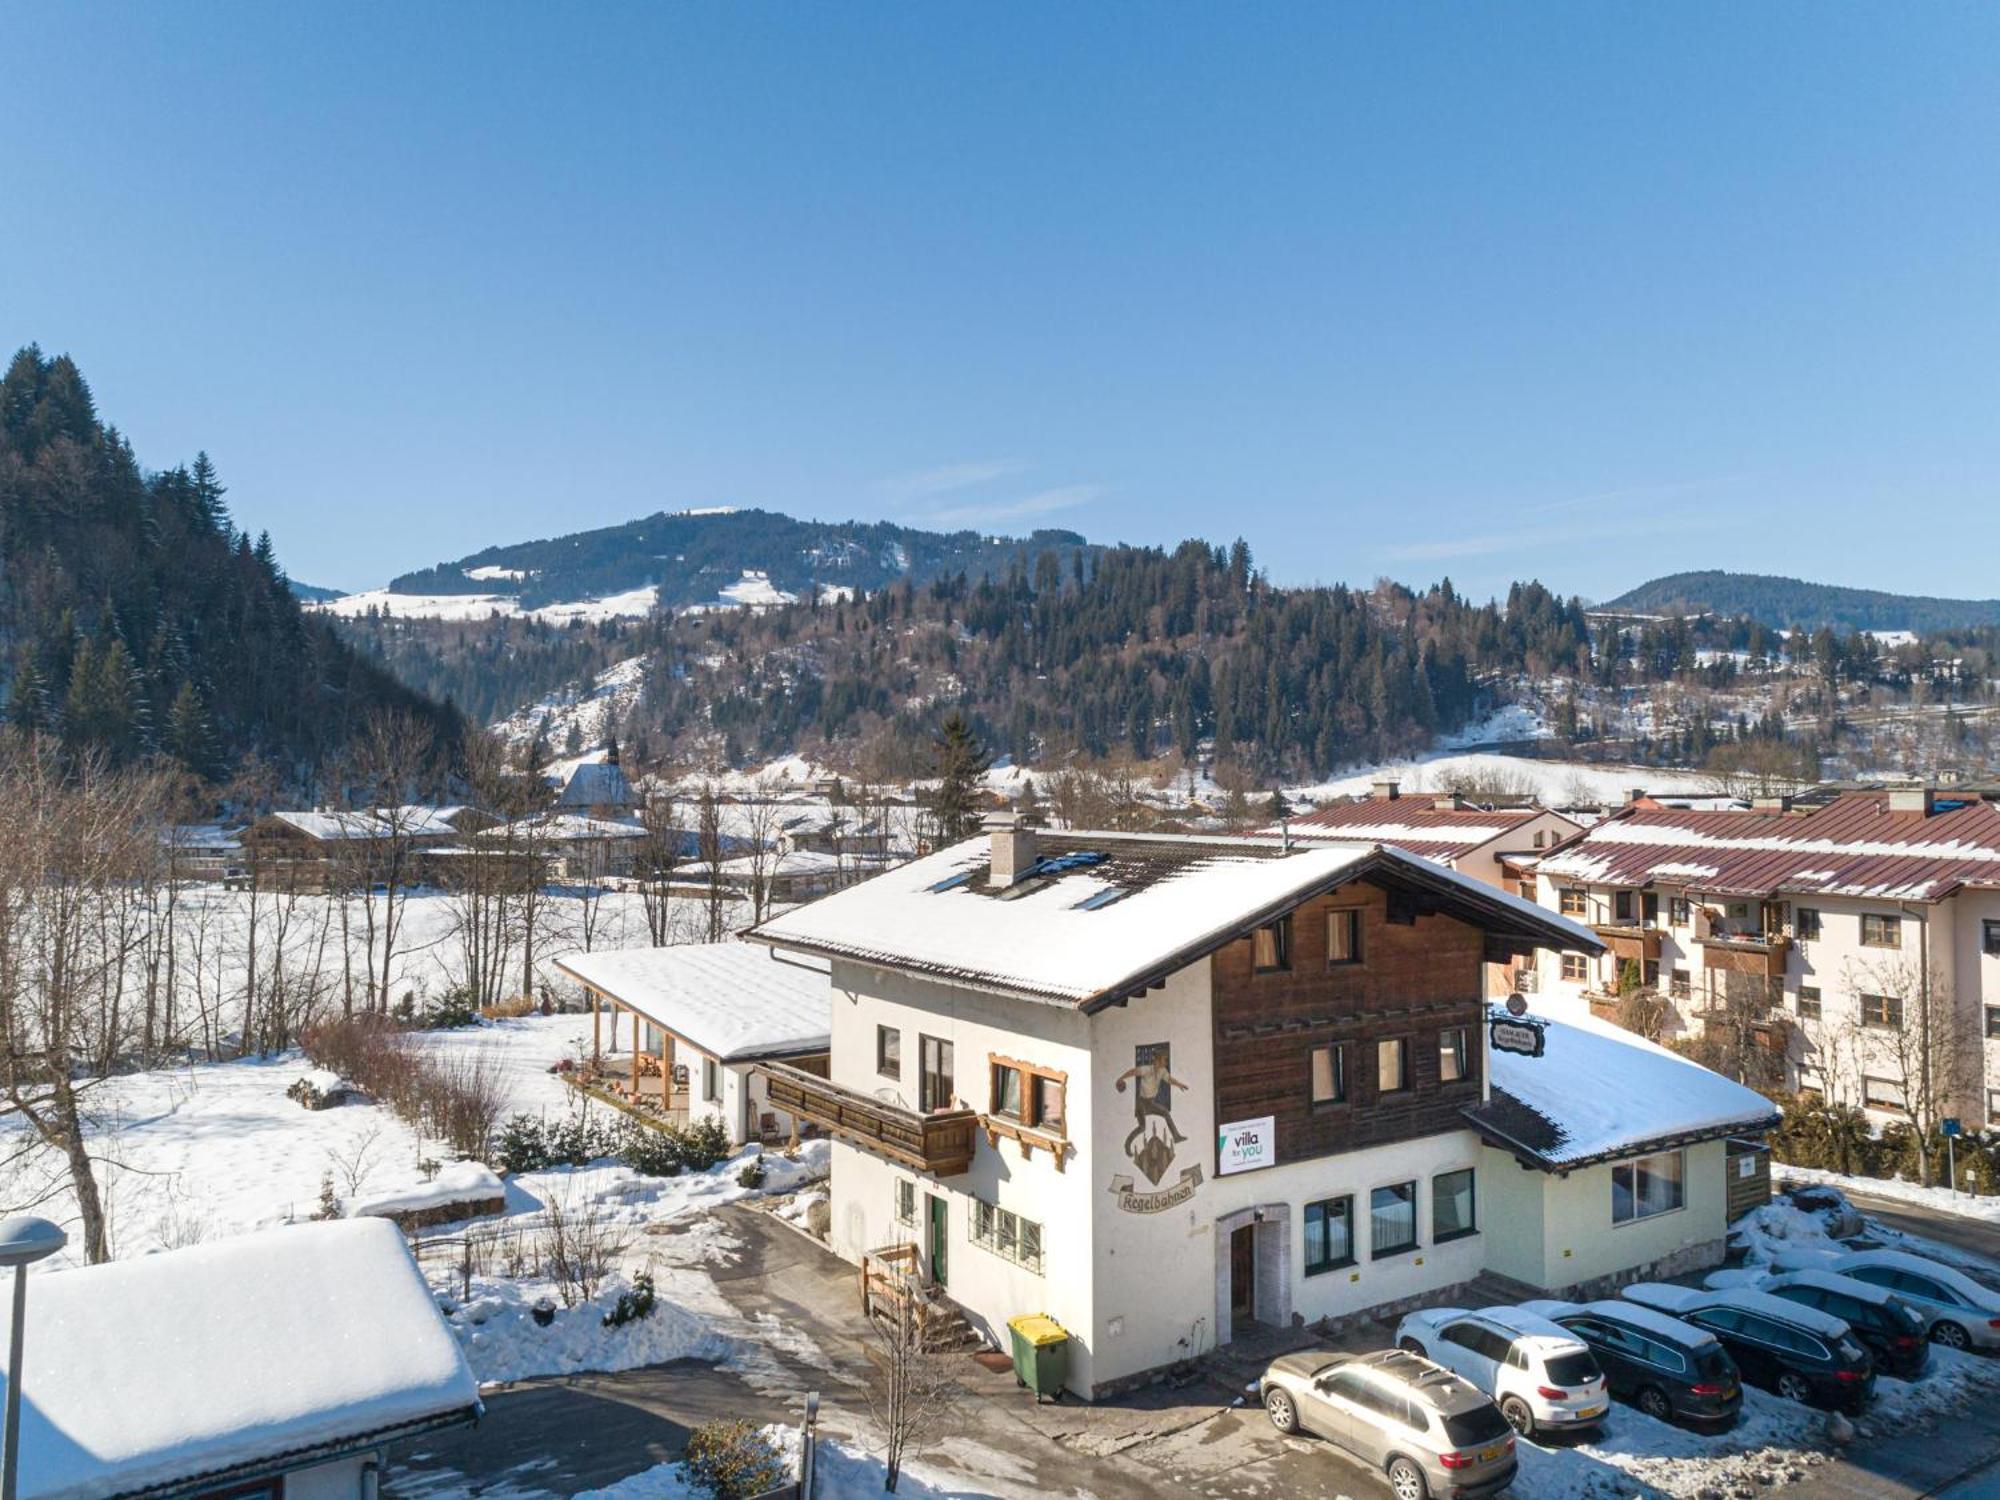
column 1517, row 1004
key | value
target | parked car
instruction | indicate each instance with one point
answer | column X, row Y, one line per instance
column 1891, row 1329
column 1959, row 1312
column 1672, row 1371
column 1799, row 1352
column 1428, row 1430
column 1541, row 1374
column 1840, row 1218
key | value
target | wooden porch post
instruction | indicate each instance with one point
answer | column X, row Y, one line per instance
column 635, row 1053
column 596, row 1029
column 666, row 1069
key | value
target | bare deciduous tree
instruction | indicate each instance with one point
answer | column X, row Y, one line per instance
column 915, row 1393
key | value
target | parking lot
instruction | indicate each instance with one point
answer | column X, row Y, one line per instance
column 558, row 1437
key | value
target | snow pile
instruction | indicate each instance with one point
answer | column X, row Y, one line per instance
column 1954, row 1382
column 1896, row 1190
column 1773, row 1442
column 466, row 1182
column 846, row 1471
column 145, row 1372
column 1777, row 1229
column 497, row 1330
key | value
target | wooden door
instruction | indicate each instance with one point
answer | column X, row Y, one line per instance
column 940, row 1260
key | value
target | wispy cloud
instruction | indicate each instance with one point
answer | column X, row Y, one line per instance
column 1021, row 508
column 946, row 479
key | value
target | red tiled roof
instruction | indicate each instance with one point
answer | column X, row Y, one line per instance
column 1853, row 846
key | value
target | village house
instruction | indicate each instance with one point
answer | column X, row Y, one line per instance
column 324, row 847
column 270, row 1366
column 1862, row 934
column 696, row 1019
column 1171, row 1091
column 566, row 845
column 1470, row 837
column 599, row 789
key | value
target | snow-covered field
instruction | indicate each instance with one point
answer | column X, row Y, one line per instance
column 214, row 1149
column 631, row 604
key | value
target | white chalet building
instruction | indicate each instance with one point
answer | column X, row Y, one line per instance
column 1174, row 1090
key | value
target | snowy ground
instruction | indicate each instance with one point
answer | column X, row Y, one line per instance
column 846, row 1472
column 1896, row 1190
column 214, row 1149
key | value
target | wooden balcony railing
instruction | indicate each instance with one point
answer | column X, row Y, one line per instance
column 940, row 1143
column 1746, row 952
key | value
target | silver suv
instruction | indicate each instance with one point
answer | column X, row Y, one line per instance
column 1428, row 1430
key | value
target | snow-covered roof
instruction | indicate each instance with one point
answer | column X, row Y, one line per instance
column 734, row 1001
column 1639, row 1096
column 597, row 784
column 561, row 827
column 1102, row 914
column 407, row 821
column 1435, row 827
column 194, row 1363
column 1859, row 844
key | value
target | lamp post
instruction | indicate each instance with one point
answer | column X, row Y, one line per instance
column 22, row 1243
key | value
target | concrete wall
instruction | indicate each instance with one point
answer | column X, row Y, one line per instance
column 1577, row 1243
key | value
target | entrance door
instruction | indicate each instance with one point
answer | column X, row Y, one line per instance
column 1242, row 1276
column 939, row 1262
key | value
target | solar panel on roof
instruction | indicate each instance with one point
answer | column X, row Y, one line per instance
column 1100, row 899
column 1056, row 864
column 952, row 882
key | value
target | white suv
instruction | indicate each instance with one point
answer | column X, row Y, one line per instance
column 1541, row 1374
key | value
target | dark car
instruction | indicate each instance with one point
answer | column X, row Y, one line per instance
column 1799, row 1352
column 1670, row 1370
column 1892, row 1330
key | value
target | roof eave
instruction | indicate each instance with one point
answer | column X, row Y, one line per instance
column 1623, row 1151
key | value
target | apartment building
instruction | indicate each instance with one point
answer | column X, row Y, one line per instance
column 1870, row 923
column 1174, row 1090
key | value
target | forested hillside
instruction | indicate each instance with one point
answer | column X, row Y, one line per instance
column 1123, row 650
column 691, row 556
column 1784, row 602
column 136, row 619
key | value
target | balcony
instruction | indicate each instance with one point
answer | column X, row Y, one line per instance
column 940, row 1144
column 1759, row 953
column 1628, row 941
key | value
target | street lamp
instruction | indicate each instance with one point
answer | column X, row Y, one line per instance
column 22, row 1243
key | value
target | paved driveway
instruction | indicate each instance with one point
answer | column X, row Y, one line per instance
column 798, row 1324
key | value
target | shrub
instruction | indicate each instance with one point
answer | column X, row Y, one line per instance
column 653, row 1151
column 463, row 1093
column 703, row 1144
column 633, row 1305
column 455, row 1008
column 520, row 1005
column 752, row 1174
column 732, row 1461
column 527, row 1143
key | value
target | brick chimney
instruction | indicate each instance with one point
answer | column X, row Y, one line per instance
column 1014, row 851
column 1385, row 790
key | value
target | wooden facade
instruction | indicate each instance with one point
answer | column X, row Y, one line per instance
column 1417, row 977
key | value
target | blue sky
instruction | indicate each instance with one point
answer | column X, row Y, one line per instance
column 1588, row 293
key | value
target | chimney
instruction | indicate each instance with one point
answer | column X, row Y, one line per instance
column 1013, row 848
column 1385, row 790
column 1771, row 803
column 1635, row 794
column 1453, row 803
column 1916, row 799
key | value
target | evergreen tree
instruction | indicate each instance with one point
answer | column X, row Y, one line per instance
column 959, row 762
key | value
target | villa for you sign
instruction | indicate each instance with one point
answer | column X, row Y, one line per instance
column 1246, row 1145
